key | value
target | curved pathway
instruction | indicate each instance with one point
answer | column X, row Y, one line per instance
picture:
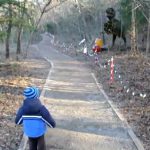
column 85, row 120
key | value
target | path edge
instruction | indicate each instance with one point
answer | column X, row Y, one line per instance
column 24, row 140
column 135, row 139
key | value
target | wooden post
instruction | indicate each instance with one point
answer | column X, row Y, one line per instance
column 112, row 70
column 148, row 37
column 133, row 36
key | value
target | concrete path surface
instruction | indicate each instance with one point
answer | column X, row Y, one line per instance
column 85, row 120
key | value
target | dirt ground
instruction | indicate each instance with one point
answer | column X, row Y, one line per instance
column 14, row 77
column 130, row 90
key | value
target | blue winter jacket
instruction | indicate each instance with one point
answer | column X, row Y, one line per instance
column 34, row 117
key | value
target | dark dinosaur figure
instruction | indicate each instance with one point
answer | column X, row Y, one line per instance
column 114, row 26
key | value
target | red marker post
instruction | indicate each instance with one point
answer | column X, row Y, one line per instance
column 112, row 70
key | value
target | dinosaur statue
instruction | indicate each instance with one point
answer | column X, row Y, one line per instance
column 113, row 26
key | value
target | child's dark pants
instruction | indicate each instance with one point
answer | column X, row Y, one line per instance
column 37, row 143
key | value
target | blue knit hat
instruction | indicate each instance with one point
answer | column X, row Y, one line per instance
column 31, row 92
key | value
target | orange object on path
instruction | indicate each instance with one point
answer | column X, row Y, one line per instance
column 98, row 45
column 99, row 42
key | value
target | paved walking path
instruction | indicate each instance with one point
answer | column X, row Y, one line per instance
column 85, row 120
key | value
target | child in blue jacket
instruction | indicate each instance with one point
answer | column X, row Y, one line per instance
column 34, row 116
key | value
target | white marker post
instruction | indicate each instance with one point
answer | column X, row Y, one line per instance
column 112, row 70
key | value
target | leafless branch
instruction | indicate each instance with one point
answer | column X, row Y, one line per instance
column 39, row 5
column 37, row 23
column 55, row 6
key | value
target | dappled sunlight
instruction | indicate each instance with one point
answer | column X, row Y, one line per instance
column 15, row 81
column 74, row 74
column 70, row 67
column 31, row 64
column 65, row 95
column 63, row 86
column 14, row 77
column 71, row 89
column 86, row 125
column 9, row 103
column 77, row 104
column 80, row 108
column 71, row 62
column 74, row 139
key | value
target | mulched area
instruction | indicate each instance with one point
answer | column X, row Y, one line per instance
column 130, row 90
column 14, row 77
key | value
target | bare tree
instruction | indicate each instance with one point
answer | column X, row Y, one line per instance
column 83, row 19
column 38, row 22
column 8, row 30
column 133, row 35
column 20, row 28
column 148, row 36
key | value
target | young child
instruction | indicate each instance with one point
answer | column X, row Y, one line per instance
column 34, row 116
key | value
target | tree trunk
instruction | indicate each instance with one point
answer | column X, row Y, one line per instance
column 8, row 31
column 20, row 27
column 84, row 35
column 148, row 36
column 7, row 47
column 133, row 36
column 37, row 24
column 19, row 41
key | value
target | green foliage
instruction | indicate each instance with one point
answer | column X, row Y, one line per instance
column 140, row 19
column 20, row 14
column 13, row 2
column 51, row 27
column 3, row 20
column 126, row 14
column 2, row 35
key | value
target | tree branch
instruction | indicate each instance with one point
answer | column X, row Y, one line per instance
column 55, row 6
column 37, row 23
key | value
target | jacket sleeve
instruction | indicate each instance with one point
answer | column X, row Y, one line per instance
column 19, row 115
column 47, row 117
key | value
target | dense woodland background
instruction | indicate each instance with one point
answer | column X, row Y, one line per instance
column 20, row 20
